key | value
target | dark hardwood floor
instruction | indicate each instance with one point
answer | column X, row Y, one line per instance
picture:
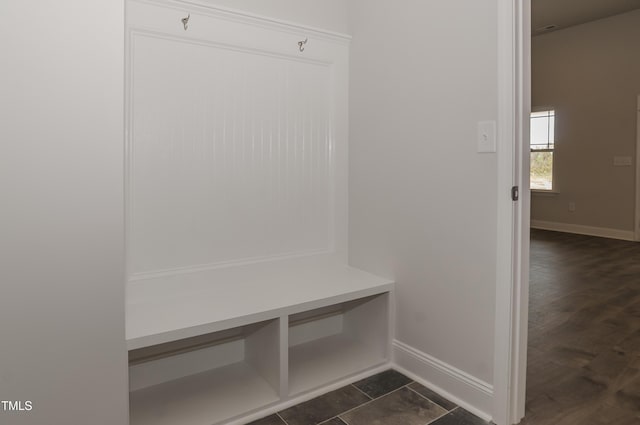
column 584, row 331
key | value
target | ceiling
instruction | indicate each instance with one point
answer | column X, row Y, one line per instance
column 566, row 13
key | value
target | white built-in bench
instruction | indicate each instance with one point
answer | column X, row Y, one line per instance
column 215, row 346
column 237, row 153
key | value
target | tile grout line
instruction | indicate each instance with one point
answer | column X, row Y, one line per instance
column 443, row 415
column 339, row 416
column 371, row 399
column 368, row 396
column 281, row 418
column 427, row 398
column 353, row 408
column 365, row 403
column 446, row 412
column 332, row 418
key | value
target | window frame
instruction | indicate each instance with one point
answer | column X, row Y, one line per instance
column 552, row 150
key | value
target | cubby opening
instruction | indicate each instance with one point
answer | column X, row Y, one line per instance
column 206, row 379
column 330, row 343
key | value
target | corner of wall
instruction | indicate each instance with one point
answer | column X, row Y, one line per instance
column 465, row 390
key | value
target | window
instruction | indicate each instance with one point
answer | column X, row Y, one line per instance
column 542, row 147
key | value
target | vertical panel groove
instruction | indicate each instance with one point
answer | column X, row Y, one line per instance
column 227, row 164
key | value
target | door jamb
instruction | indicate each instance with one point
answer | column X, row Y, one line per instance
column 637, row 215
column 512, row 268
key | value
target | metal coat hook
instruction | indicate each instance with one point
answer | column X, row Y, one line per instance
column 302, row 43
column 185, row 21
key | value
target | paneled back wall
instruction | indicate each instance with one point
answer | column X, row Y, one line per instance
column 232, row 150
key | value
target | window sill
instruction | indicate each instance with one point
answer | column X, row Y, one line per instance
column 541, row 192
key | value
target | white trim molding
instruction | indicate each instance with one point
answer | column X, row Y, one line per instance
column 207, row 8
column 511, row 311
column 466, row 390
column 603, row 232
column 637, row 217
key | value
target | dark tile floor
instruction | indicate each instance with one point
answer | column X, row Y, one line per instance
column 388, row 398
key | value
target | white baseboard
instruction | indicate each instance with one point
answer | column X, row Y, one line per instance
column 603, row 232
column 465, row 390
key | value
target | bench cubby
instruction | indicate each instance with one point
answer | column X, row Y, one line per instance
column 216, row 363
column 206, row 380
column 328, row 344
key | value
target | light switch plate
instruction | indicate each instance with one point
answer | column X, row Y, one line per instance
column 486, row 136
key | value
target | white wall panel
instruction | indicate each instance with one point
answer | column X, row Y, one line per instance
column 62, row 339
column 422, row 201
column 232, row 154
column 327, row 14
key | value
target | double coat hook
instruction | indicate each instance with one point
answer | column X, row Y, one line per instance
column 301, row 44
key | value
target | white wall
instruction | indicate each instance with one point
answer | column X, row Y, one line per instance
column 61, row 245
column 591, row 75
column 324, row 14
column 423, row 203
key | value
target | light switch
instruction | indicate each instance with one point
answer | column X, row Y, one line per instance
column 486, row 136
column 622, row 161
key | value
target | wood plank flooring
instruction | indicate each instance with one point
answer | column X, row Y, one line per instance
column 584, row 331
